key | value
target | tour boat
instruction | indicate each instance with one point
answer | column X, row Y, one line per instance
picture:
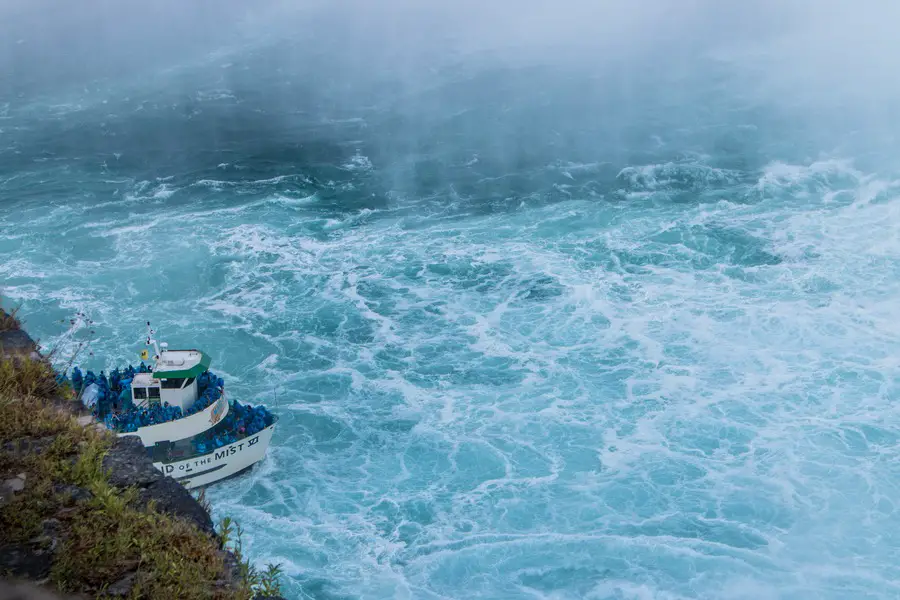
column 179, row 410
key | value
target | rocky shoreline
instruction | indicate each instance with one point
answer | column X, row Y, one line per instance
column 128, row 469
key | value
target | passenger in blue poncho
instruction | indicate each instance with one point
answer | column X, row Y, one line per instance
column 77, row 380
column 125, row 401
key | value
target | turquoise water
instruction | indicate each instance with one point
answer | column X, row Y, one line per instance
column 534, row 328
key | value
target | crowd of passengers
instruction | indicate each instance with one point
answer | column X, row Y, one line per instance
column 115, row 407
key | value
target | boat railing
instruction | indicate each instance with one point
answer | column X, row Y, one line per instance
column 201, row 444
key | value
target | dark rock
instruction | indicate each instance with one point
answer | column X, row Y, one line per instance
column 232, row 565
column 72, row 493
column 17, row 342
column 31, row 560
column 232, row 573
column 171, row 497
column 128, row 464
column 122, row 587
column 27, row 446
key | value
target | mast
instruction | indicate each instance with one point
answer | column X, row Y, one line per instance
column 151, row 341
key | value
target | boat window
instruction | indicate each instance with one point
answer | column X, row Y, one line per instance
column 172, row 384
column 164, row 451
column 198, row 445
column 153, row 393
column 188, row 382
column 140, row 393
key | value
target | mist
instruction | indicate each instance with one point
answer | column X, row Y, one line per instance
column 803, row 47
column 510, row 82
column 63, row 43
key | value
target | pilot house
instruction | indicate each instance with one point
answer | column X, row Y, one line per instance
column 174, row 380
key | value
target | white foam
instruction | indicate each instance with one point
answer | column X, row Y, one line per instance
column 358, row 162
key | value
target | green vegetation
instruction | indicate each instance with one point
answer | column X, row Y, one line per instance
column 265, row 583
column 103, row 536
column 9, row 321
column 32, row 382
column 38, row 441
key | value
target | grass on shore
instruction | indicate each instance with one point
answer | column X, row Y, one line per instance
column 9, row 321
column 105, row 535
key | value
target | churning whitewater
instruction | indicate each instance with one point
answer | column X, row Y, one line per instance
column 531, row 330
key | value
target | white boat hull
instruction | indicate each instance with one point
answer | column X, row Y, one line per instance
column 184, row 427
column 221, row 463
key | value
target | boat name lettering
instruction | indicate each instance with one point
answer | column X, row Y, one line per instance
column 189, row 465
column 232, row 450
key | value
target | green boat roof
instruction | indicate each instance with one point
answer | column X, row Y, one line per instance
column 190, row 363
